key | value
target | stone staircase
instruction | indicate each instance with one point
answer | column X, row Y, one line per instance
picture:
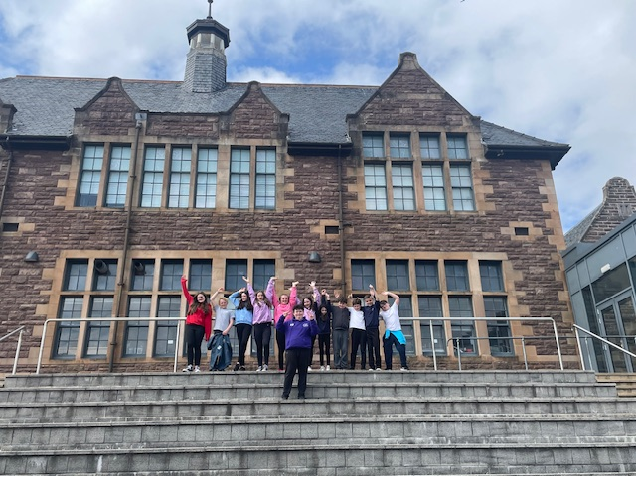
column 624, row 382
column 352, row 423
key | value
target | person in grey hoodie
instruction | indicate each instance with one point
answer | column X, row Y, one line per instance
column 340, row 331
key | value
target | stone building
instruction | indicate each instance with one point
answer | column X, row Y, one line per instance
column 114, row 188
column 600, row 272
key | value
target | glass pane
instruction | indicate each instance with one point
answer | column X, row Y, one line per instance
column 429, row 147
column 611, row 283
column 627, row 313
column 427, row 275
column 200, row 275
column 397, row 275
column 235, row 269
column 171, row 273
column 612, row 335
column 363, row 274
column 142, row 271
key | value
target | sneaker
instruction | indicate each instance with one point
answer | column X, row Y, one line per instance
column 371, row 369
column 378, row 369
column 322, row 368
column 284, row 396
column 327, row 368
column 259, row 368
column 197, row 370
column 242, row 368
column 406, row 368
column 237, row 366
column 187, row 369
column 309, row 368
column 265, row 367
column 301, row 397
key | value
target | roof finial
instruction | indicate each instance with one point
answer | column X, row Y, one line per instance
column 210, row 8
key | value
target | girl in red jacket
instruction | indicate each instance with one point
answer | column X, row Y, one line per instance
column 198, row 325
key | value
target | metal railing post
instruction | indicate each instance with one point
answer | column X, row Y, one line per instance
column 557, row 341
column 459, row 352
column 177, row 346
column 433, row 348
column 17, row 353
column 526, row 362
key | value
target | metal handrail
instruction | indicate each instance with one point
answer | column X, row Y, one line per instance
column 522, row 338
column 113, row 318
column 485, row 318
column 603, row 340
column 17, row 350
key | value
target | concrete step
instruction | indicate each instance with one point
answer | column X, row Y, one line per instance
column 317, row 407
column 320, row 378
column 263, row 431
column 199, row 390
column 624, row 382
column 353, row 423
column 377, row 458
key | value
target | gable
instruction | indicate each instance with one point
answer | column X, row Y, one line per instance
column 254, row 116
column 411, row 97
column 109, row 112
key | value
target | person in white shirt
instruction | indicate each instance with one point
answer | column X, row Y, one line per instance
column 393, row 333
column 359, row 335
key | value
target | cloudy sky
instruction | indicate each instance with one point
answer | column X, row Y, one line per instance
column 560, row 70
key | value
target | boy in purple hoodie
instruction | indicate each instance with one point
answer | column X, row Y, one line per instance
column 298, row 333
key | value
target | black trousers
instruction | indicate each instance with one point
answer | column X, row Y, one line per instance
column 194, row 337
column 324, row 348
column 262, row 334
column 359, row 338
column 387, row 344
column 243, row 335
column 280, row 345
column 373, row 347
column 296, row 359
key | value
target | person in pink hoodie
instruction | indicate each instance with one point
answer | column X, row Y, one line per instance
column 282, row 305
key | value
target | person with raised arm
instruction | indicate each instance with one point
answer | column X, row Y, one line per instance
column 261, row 325
column 283, row 304
column 219, row 344
column 393, row 333
column 243, row 314
column 198, row 325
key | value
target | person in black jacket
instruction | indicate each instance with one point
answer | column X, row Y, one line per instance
column 324, row 322
column 371, row 311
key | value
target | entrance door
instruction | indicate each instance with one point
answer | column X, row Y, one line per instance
column 617, row 322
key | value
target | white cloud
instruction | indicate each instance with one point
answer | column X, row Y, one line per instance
column 560, row 70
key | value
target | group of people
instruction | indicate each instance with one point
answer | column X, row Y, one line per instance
column 298, row 323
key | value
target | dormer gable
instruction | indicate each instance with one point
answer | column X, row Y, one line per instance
column 410, row 97
column 110, row 112
column 254, row 116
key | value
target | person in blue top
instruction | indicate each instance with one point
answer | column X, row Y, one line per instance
column 298, row 333
column 243, row 321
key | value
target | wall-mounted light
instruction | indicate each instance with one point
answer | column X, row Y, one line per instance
column 32, row 256
column 605, row 268
column 100, row 267
column 314, row 257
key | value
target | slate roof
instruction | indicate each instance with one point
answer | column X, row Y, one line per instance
column 575, row 234
column 46, row 106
